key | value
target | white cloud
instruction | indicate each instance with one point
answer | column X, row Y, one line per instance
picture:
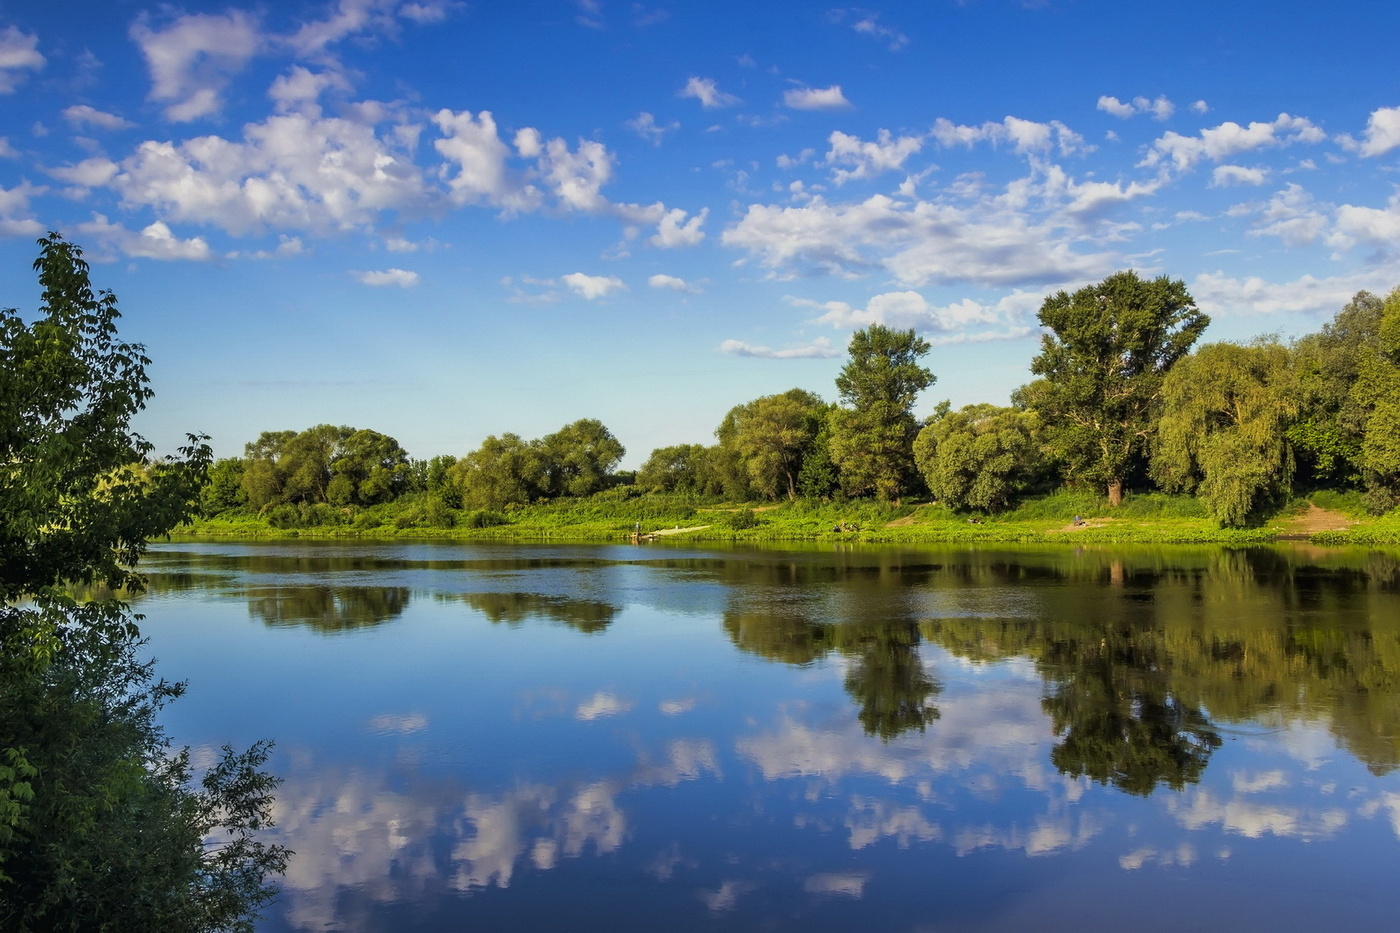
column 89, row 173
column 708, row 93
column 83, row 115
column 400, row 277
column 194, row 58
column 1229, row 138
column 18, row 53
column 1291, row 215
column 1382, row 132
column 910, row 309
column 856, row 159
column 1200, row 106
column 1024, row 136
column 6, row 150
column 674, row 230
column 1374, row 227
column 292, row 171
column 348, row 18
column 592, row 286
column 644, row 125
column 428, row 11
column 1219, row 293
column 991, row 242
column 153, row 242
column 1161, row 108
column 1226, row 175
column 813, row 98
column 819, row 348
column 674, row 283
column 301, row 87
column 14, row 210
column 867, row 23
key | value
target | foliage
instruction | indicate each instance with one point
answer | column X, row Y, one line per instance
column 980, row 457
column 872, row 438
column 503, row 471
column 1109, row 348
column 578, row 458
column 1222, row 432
column 1377, row 393
column 740, row 519
column 99, row 826
column 1328, row 432
column 771, row 434
column 673, row 469
column 324, row 464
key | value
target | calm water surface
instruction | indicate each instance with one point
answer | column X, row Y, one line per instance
column 646, row 738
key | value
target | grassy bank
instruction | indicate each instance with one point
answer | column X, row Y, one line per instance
column 1065, row 518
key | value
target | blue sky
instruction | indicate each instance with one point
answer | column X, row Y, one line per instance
column 445, row 220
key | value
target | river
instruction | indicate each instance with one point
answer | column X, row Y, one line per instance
column 619, row 738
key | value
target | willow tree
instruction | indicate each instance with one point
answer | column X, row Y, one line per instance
column 872, row 434
column 1223, row 434
column 1108, row 349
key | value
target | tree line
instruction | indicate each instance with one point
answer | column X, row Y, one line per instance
column 1123, row 399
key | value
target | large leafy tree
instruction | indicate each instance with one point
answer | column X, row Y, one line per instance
column 678, row 468
column 1106, row 352
column 981, row 456
column 771, row 434
column 1331, row 425
column 579, row 457
column 1223, row 432
column 872, row 435
column 101, row 827
column 1376, row 393
column 503, row 471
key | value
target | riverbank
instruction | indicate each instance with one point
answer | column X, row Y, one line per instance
column 1063, row 518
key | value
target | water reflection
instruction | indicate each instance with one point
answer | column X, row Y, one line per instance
column 801, row 739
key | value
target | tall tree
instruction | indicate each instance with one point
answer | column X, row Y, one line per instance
column 503, row 471
column 770, row 434
column 579, row 457
column 100, row 824
column 1332, row 423
column 1377, row 394
column 1109, row 347
column 873, row 434
column 1223, row 433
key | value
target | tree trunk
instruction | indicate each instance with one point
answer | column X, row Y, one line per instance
column 1115, row 492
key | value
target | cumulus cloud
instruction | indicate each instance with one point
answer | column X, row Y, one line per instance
column 193, row 59
column 813, row 98
column 820, row 348
column 1382, row 132
column 592, row 286
column 708, row 93
column 155, row 241
column 19, row 54
column 81, row 115
column 400, row 277
column 1374, row 227
column 1291, row 215
column 674, row 230
column 1024, row 136
column 1218, row 293
column 854, row 158
column 1228, row 139
column 1161, row 108
column 674, row 283
column 1200, row 106
column 89, row 173
column 993, row 242
column 1226, row 175
column 349, row 17
column 300, row 87
column 15, row 219
column 292, row 171
column 968, row 319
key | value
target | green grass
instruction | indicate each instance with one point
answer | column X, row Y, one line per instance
column 1150, row 518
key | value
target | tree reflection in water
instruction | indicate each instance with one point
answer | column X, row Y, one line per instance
column 327, row 609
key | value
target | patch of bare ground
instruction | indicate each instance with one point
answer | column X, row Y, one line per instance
column 902, row 522
column 1082, row 525
column 1312, row 521
column 677, row 531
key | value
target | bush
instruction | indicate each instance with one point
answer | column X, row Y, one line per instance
column 741, row 520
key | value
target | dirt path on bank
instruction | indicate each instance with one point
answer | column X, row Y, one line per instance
column 1315, row 519
column 1083, row 525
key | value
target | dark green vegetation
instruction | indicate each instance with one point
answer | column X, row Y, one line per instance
column 102, row 823
column 1126, row 413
